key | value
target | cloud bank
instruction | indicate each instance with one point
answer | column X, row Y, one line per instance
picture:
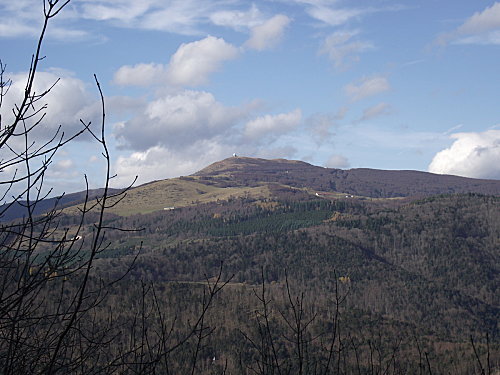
column 66, row 103
column 182, row 132
column 474, row 155
column 270, row 126
column 177, row 120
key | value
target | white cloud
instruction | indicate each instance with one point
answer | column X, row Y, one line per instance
column 66, row 34
column 25, row 18
column 237, row 19
column 492, row 37
column 269, row 126
column 337, row 161
column 123, row 107
column 328, row 13
column 159, row 162
column 140, row 75
column 181, row 17
column 375, row 111
column 65, row 164
column 481, row 28
column 186, row 17
column 334, row 17
column 67, row 102
column 480, row 22
column 180, row 133
column 190, row 65
column 65, row 175
column 269, row 34
column 62, row 169
column 367, row 87
column 193, row 62
column 178, row 120
column 117, row 10
column 474, row 155
column 321, row 125
column 342, row 49
column 177, row 16
column 10, row 28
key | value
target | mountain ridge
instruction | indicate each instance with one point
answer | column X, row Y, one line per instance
column 262, row 178
column 374, row 183
column 412, row 271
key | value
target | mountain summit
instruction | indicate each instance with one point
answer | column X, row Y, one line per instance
column 267, row 178
column 367, row 182
column 247, row 164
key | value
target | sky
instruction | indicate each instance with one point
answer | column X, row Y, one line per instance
column 380, row 84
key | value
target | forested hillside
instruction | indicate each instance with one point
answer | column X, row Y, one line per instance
column 256, row 271
column 398, row 277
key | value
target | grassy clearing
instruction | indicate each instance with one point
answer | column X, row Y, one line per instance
column 176, row 192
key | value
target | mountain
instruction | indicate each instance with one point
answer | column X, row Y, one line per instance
column 362, row 181
column 239, row 177
column 406, row 262
column 416, row 256
column 254, row 177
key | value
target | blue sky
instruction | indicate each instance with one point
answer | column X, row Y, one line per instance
column 380, row 84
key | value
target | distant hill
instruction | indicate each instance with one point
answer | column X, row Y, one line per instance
column 17, row 210
column 262, row 178
column 373, row 183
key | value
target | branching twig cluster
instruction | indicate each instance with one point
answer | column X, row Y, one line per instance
column 52, row 315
